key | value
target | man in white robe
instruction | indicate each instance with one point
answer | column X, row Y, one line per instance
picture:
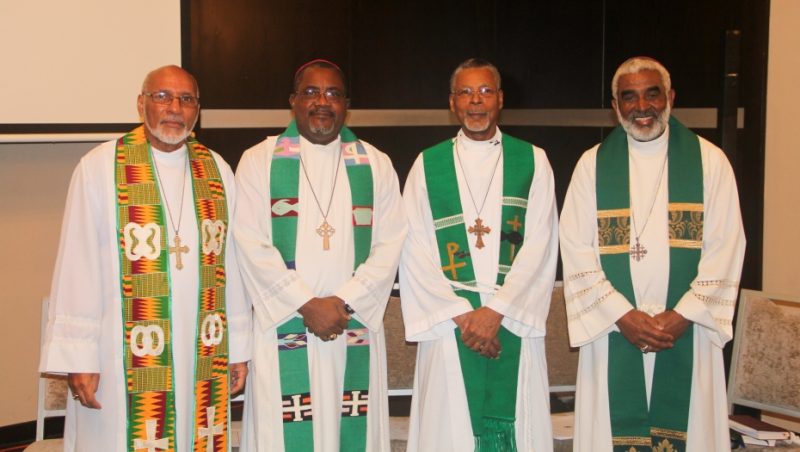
column 432, row 309
column 315, row 280
column 597, row 310
column 85, row 331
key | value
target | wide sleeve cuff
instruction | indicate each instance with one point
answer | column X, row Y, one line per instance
column 240, row 346
column 593, row 306
column 367, row 300
column 711, row 304
column 533, row 326
column 71, row 346
column 281, row 300
column 436, row 325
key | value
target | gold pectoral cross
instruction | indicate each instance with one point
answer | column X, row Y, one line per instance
column 178, row 250
column 479, row 229
column 452, row 249
column 326, row 231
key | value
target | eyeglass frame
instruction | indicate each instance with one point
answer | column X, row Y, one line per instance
column 182, row 98
column 467, row 92
column 313, row 93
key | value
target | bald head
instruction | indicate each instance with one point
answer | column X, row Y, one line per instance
column 169, row 71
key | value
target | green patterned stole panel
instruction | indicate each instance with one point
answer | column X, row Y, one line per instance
column 491, row 385
column 146, row 297
column 298, row 412
column 633, row 426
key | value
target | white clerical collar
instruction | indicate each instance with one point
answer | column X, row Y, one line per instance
column 169, row 156
column 470, row 145
column 650, row 147
column 333, row 145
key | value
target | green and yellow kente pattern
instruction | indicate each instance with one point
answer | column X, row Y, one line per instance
column 146, row 300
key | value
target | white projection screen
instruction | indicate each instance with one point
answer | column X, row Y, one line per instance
column 82, row 61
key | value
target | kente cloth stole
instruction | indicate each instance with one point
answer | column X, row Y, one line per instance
column 664, row 427
column 146, row 301
column 491, row 385
column 298, row 405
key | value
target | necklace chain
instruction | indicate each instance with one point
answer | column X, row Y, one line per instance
column 466, row 180
column 652, row 204
column 175, row 230
column 333, row 187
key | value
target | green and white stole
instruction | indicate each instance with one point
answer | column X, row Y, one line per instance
column 633, row 427
column 147, row 301
column 298, row 411
column 491, row 385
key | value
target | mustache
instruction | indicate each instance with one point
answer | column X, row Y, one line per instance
column 177, row 119
column 321, row 109
column 649, row 113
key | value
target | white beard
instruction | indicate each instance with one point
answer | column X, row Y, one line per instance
column 645, row 134
column 168, row 136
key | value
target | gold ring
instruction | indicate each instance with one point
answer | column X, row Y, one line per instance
column 644, row 348
column 333, row 336
column 75, row 397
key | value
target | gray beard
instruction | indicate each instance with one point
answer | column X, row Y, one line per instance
column 639, row 134
column 321, row 130
column 169, row 139
column 477, row 126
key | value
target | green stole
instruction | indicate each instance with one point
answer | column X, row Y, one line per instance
column 491, row 385
column 292, row 335
column 633, row 427
column 146, row 301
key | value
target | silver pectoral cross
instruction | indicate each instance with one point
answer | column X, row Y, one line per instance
column 638, row 251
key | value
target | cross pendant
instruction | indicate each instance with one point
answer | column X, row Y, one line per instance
column 178, row 250
column 479, row 229
column 638, row 251
column 325, row 231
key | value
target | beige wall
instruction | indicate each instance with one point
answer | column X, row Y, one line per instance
column 782, row 169
column 33, row 188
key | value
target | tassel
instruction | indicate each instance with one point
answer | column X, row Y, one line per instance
column 498, row 436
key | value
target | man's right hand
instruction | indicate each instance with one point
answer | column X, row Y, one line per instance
column 643, row 331
column 325, row 316
column 85, row 387
column 479, row 331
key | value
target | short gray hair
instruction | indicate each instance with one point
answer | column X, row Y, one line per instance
column 474, row 63
column 638, row 64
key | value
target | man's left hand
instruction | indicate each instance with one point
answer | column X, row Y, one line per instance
column 672, row 323
column 238, row 376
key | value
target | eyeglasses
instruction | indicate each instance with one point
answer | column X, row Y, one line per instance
column 166, row 98
column 331, row 94
column 483, row 91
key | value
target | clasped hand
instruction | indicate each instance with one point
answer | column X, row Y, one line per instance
column 479, row 331
column 325, row 317
column 652, row 333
